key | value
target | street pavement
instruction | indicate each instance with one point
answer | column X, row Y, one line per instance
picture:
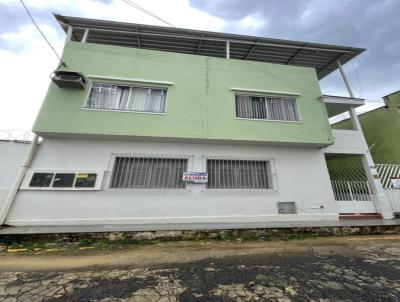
column 364, row 268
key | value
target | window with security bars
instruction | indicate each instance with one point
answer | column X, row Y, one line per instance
column 238, row 174
column 152, row 173
column 266, row 108
column 126, row 98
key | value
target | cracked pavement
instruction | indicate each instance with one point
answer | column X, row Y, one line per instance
column 364, row 268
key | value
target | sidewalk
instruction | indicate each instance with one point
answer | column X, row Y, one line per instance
column 190, row 226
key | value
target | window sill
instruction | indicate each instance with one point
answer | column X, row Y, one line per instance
column 59, row 189
column 124, row 111
column 237, row 190
column 148, row 190
column 265, row 120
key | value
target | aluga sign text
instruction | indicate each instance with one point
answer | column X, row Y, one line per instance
column 195, row 177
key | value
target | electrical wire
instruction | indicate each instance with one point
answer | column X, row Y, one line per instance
column 358, row 79
column 142, row 9
column 270, row 74
column 43, row 35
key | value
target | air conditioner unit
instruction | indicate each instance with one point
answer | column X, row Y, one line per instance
column 69, row 79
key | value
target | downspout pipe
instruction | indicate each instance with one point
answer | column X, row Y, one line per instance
column 18, row 180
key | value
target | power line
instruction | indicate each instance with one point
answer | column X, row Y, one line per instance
column 358, row 79
column 270, row 74
column 43, row 35
column 137, row 6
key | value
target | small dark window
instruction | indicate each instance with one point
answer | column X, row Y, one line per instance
column 41, row 180
column 63, row 180
column 84, row 180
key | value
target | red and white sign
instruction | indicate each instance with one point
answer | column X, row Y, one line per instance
column 195, row 177
column 395, row 182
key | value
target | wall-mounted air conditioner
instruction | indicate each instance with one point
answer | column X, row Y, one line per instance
column 69, row 79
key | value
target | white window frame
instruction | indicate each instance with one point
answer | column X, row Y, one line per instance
column 266, row 94
column 271, row 174
column 29, row 175
column 113, row 157
column 135, row 83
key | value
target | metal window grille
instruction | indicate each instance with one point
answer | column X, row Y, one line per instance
column 152, row 173
column 238, row 174
column 127, row 98
column 267, row 108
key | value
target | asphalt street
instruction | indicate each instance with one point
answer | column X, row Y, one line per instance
column 364, row 268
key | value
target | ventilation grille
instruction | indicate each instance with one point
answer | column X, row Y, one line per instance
column 287, row 208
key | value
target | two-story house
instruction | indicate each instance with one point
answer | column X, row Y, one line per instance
column 169, row 125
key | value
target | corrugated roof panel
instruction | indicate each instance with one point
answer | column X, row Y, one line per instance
column 322, row 57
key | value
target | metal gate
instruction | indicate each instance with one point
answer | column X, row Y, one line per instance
column 386, row 172
column 353, row 196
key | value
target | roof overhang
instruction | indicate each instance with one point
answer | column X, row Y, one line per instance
column 322, row 57
column 338, row 104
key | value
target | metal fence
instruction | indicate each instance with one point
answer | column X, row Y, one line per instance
column 386, row 172
column 352, row 190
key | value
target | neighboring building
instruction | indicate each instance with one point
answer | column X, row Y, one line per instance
column 381, row 129
column 246, row 112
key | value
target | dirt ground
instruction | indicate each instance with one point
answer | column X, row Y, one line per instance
column 356, row 268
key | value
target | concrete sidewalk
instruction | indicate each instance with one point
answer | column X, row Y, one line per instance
column 46, row 229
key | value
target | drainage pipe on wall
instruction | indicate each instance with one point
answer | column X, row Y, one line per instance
column 18, row 180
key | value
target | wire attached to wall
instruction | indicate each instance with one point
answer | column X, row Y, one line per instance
column 272, row 75
column 62, row 63
column 142, row 9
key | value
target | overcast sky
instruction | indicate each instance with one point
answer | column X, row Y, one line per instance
column 26, row 62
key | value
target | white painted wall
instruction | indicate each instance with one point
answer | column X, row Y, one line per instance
column 347, row 142
column 12, row 155
column 394, row 198
column 301, row 176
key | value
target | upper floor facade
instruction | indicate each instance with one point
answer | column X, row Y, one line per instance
column 144, row 91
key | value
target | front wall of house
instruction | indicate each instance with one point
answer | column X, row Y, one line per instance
column 12, row 155
column 200, row 102
column 300, row 176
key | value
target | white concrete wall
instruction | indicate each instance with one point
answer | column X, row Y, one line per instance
column 394, row 199
column 301, row 176
column 347, row 142
column 12, row 155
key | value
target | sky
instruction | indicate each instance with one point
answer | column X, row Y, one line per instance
column 26, row 61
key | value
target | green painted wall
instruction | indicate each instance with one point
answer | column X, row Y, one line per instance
column 200, row 103
column 381, row 129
